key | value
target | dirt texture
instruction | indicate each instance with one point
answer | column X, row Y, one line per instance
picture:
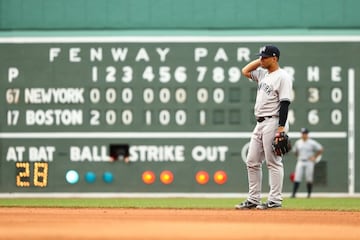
column 174, row 224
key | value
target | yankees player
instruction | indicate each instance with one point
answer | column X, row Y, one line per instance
column 271, row 111
column 307, row 151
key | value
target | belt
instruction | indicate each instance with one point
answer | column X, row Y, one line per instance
column 261, row 119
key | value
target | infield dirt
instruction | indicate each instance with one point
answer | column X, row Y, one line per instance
column 174, row 224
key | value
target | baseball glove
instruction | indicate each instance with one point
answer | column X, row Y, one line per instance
column 281, row 144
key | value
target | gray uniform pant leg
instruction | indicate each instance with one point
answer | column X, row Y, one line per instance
column 307, row 167
column 254, row 162
column 260, row 149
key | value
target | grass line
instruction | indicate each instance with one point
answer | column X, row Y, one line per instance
column 335, row 204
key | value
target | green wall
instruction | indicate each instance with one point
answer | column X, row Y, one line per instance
column 187, row 112
column 45, row 17
column 184, row 14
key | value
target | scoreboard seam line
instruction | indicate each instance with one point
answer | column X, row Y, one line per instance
column 176, row 39
column 155, row 135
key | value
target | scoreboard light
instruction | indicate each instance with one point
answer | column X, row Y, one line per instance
column 72, row 176
column 90, row 177
column 108, row 177
column 202, row 177
column 166, row 177
column 220, row 177
column 148, row 177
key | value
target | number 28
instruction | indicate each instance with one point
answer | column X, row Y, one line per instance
column 40, row 174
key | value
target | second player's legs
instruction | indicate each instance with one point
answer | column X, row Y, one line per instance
column 309, row 174
column 299, row 171
column 297, row 178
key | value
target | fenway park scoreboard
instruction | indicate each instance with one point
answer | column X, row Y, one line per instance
column 162, row 114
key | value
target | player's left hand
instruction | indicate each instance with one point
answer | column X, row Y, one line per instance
column 281, row 144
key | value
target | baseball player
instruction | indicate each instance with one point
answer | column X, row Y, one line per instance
column 271, row 111
column 307, row 150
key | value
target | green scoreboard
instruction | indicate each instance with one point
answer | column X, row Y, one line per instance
column 166, row 114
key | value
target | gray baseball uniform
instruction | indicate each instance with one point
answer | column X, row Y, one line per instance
column 272, row 88
column 305, row 150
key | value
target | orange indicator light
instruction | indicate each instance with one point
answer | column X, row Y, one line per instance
column 202, row 177
column 148, row 177
column 166, row 177
column 220, row 177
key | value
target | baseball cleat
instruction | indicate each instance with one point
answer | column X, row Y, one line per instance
column 246, row 205
column 268, row 205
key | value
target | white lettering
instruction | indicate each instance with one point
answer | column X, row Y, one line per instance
column 54, row 95
column 335, row 74
column 57, row 117
column 74, row 55
column 200, row 53
column 119, row 54
column 53, row 53
column 313, row 74
column 151, row 153
column 89, row 153
column 15, row 153
column 41, row 153
column 142, row 55
column 162, row 53
column 96, row 54
column 209, row 153
column 243, row 54
column 13, row 73
column 221, row 55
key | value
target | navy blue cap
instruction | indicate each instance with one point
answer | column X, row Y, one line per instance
column 269, row 51
column 304, row 130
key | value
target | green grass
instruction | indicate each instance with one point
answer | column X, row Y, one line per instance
column 334, row 204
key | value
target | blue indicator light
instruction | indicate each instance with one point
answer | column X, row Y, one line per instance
column 108, row 177
column 90, row 177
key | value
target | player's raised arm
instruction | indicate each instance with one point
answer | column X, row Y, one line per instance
column 251, row 66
